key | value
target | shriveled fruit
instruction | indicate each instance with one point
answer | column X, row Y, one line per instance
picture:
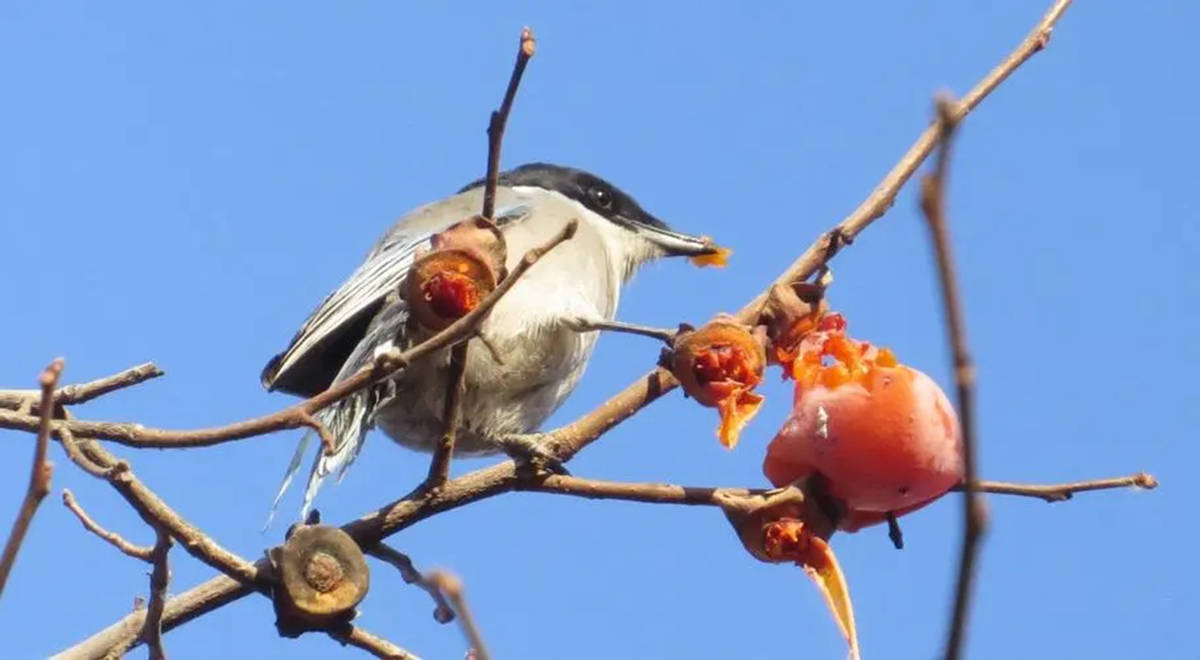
column 719, row 365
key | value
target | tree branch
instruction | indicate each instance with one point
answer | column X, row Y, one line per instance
column 83, row 392
column 299, row 415
column 499, row 120
column 597, row 325
column 1064, row 492
column 658, row 382
column 160, row 577
column 636, row 492
column 439, row 465
column 39, row 476
column 377, row 646
column 933, row 205
column 570, row 439
column 142, row 552
column 451, row 586
column 160, row 516
column 442, row 612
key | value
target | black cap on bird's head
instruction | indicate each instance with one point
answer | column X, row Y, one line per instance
column 607, row 201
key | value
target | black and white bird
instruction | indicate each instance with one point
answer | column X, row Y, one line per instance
column 533, row 327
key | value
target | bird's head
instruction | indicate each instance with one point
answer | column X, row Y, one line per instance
column 635, row 235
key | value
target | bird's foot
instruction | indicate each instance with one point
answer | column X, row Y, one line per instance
column 529, row 449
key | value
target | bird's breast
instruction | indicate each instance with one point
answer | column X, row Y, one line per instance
column 530, row 363
column 535, row 359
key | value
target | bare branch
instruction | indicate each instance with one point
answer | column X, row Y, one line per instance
column 71, row 446
column 328, row 443
column 499, row 121
column 377, row 646
column 451, row 586
column 39, row 476
column 933, row 204
column 439, row 465
column 83, row 392
column 159, row 515
column 1064, row 492
column 636, row 492
column 136, row 435
column 367, row 531
column 160, row 577
column 884, row 195
column 442, row 612
column 658, row 382
column 143, row 552
column 570, row 439
column 596, row 325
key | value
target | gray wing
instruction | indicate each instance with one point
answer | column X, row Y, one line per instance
column 320, row 348
column 332, row 332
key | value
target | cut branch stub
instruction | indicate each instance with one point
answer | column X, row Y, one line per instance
column 322, row 578
column 719, row 365
column 465, row 265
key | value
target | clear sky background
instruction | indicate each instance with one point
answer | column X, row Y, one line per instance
column 183, row 184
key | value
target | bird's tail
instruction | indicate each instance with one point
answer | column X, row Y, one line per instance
column 347, row 421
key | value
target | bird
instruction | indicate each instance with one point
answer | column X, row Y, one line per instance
column 536, row 327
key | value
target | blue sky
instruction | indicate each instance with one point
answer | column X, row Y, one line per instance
column 185, row 182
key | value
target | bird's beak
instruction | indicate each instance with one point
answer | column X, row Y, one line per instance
column 674, row 243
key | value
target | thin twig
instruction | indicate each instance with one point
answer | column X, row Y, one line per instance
column 150, row 631
column 452, row 587
column 442, row 612
column 492, row 349
column 136, row 435
column 656, row 383
column 39, row 475
column 1064, row 492
column 160, row 577
column 221, row 590
column 159, row 515
column 328, row 443
column 377, row 646
column 83, row 392
column 596, row 325
column 651, row 493
column 439, row 465
column 143, row 552
column 71, row 446
column 933, row 204
column 884, row 194
column 499, row 120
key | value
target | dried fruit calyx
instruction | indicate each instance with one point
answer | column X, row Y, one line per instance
column 719, row 365
column 464, row 266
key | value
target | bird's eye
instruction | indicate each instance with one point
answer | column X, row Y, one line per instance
column 601, row 197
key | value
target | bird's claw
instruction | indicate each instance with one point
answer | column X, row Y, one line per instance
column 529, row 449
